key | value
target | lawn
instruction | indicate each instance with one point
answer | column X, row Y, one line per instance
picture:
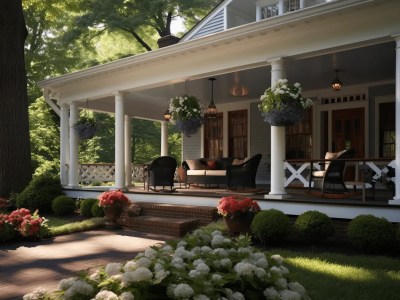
column 340, row 276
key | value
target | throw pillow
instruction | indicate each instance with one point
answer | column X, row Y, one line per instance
column 211, row 165
column 237, row 161
column 194, row 164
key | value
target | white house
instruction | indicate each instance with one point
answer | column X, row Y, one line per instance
column 246, row 45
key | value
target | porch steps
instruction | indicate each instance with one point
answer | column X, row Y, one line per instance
column 174, row 220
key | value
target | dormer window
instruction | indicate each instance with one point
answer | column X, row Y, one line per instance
column 270, row 8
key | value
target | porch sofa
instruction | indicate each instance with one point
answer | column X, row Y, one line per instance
column 226, row 171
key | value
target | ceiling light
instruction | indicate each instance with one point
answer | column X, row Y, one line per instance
column 211, row 111
column 336, row 83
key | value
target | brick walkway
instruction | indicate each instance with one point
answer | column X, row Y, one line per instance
column 26, row 266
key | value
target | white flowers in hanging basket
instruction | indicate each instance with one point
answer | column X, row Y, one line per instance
column 186, row 114
column 282, row 104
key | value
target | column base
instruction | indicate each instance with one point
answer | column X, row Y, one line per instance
column 395, row 201
column 72, row 186
column 276, row 196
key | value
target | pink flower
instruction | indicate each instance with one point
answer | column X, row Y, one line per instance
column 231, row 205
column 112, row 197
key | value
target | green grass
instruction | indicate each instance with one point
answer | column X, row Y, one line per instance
column 339, row 276
column 59, row 226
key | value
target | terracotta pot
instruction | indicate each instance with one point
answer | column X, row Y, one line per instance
column 112, row 213
column 239, row 223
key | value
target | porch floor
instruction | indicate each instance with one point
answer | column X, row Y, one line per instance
column 294, row 194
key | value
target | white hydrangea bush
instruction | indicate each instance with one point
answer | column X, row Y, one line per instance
column 205, row 265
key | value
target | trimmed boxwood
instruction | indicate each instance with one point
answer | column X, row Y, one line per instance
column 270, row 226
column 97, row 211
column 63, row 205
column 39, row 193
column 86, row 206
column 371, row 234
column 314, row 226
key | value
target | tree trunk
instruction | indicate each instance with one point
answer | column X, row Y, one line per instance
column 15, row 159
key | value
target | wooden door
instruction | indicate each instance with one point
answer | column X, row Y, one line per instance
column 348, row 130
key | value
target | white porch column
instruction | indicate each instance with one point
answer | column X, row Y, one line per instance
column 64, row 143
column 164, row 138
column 396, row 199
column 277, row 142
column 119, row 141
column 128, row 155
column 73, row 174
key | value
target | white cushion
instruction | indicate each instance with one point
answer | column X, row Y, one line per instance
column 318, row 173
column 216, row 173
column 196, row 172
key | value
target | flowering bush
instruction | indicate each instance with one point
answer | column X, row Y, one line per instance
column 186, row 114
column 205, row 265
column 22, row 223
column 282, row 97
column 112, row 197
column 233, row 206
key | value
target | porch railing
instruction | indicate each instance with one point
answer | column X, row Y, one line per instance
column 297, row 171
column 105, row 172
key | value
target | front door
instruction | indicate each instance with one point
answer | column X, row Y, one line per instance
column 348, row 130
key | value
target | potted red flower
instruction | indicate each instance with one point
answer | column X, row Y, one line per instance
column 238, row 212
column 112, row 202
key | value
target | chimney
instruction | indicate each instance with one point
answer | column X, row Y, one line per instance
column 167, row 41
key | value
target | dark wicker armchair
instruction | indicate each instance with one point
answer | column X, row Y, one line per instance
column 330, row 180
column 161, row 172
column 244, row 174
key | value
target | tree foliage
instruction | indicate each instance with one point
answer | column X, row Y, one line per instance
column 143, row 20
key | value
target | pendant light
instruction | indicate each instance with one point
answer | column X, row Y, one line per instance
column 167, row 115
column 336, row 83
column 211, row 111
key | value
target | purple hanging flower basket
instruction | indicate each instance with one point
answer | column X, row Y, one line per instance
column 189, row 126
column 86, row 131
column 287, row 116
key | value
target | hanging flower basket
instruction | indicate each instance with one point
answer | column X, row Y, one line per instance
column 186, row 114
column 282, row 104
column 85, row 128
column 284, row 117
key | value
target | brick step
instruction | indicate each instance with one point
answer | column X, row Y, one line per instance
column 169, row 226
column 205, row 214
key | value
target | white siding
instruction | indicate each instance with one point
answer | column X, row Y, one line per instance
column 191, row 146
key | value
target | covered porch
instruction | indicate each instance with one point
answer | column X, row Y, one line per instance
column 303, row 46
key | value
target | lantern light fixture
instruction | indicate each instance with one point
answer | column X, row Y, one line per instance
column 211, row 111
column 336, row 83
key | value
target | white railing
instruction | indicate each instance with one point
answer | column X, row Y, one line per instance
column 98, row 173
column 298, row 171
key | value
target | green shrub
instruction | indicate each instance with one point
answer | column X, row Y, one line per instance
column 270, row 226
column 314, row 226
column 63, row 205
column 39, row 193
column 371, row 234
column 86, row 206
column 97, row 211
column 7, row 231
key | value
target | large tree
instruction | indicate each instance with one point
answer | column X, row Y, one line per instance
column 15, row 160
column 141, row 19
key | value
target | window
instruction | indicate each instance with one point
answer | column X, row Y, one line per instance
column 299, row 138
column 387, row 129
column 237, row 142
column 270, row 11
column 292, row 5
column 213, row 137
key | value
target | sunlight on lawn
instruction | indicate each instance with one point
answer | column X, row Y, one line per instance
column 334, row 270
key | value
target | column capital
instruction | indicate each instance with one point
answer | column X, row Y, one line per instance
column 118, row 93
column 396, row 37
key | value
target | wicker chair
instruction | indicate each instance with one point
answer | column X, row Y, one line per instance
column 244, row 174
column 330, row 180
column 161, row 172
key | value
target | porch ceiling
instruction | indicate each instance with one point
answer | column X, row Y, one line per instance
column 360, row 66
